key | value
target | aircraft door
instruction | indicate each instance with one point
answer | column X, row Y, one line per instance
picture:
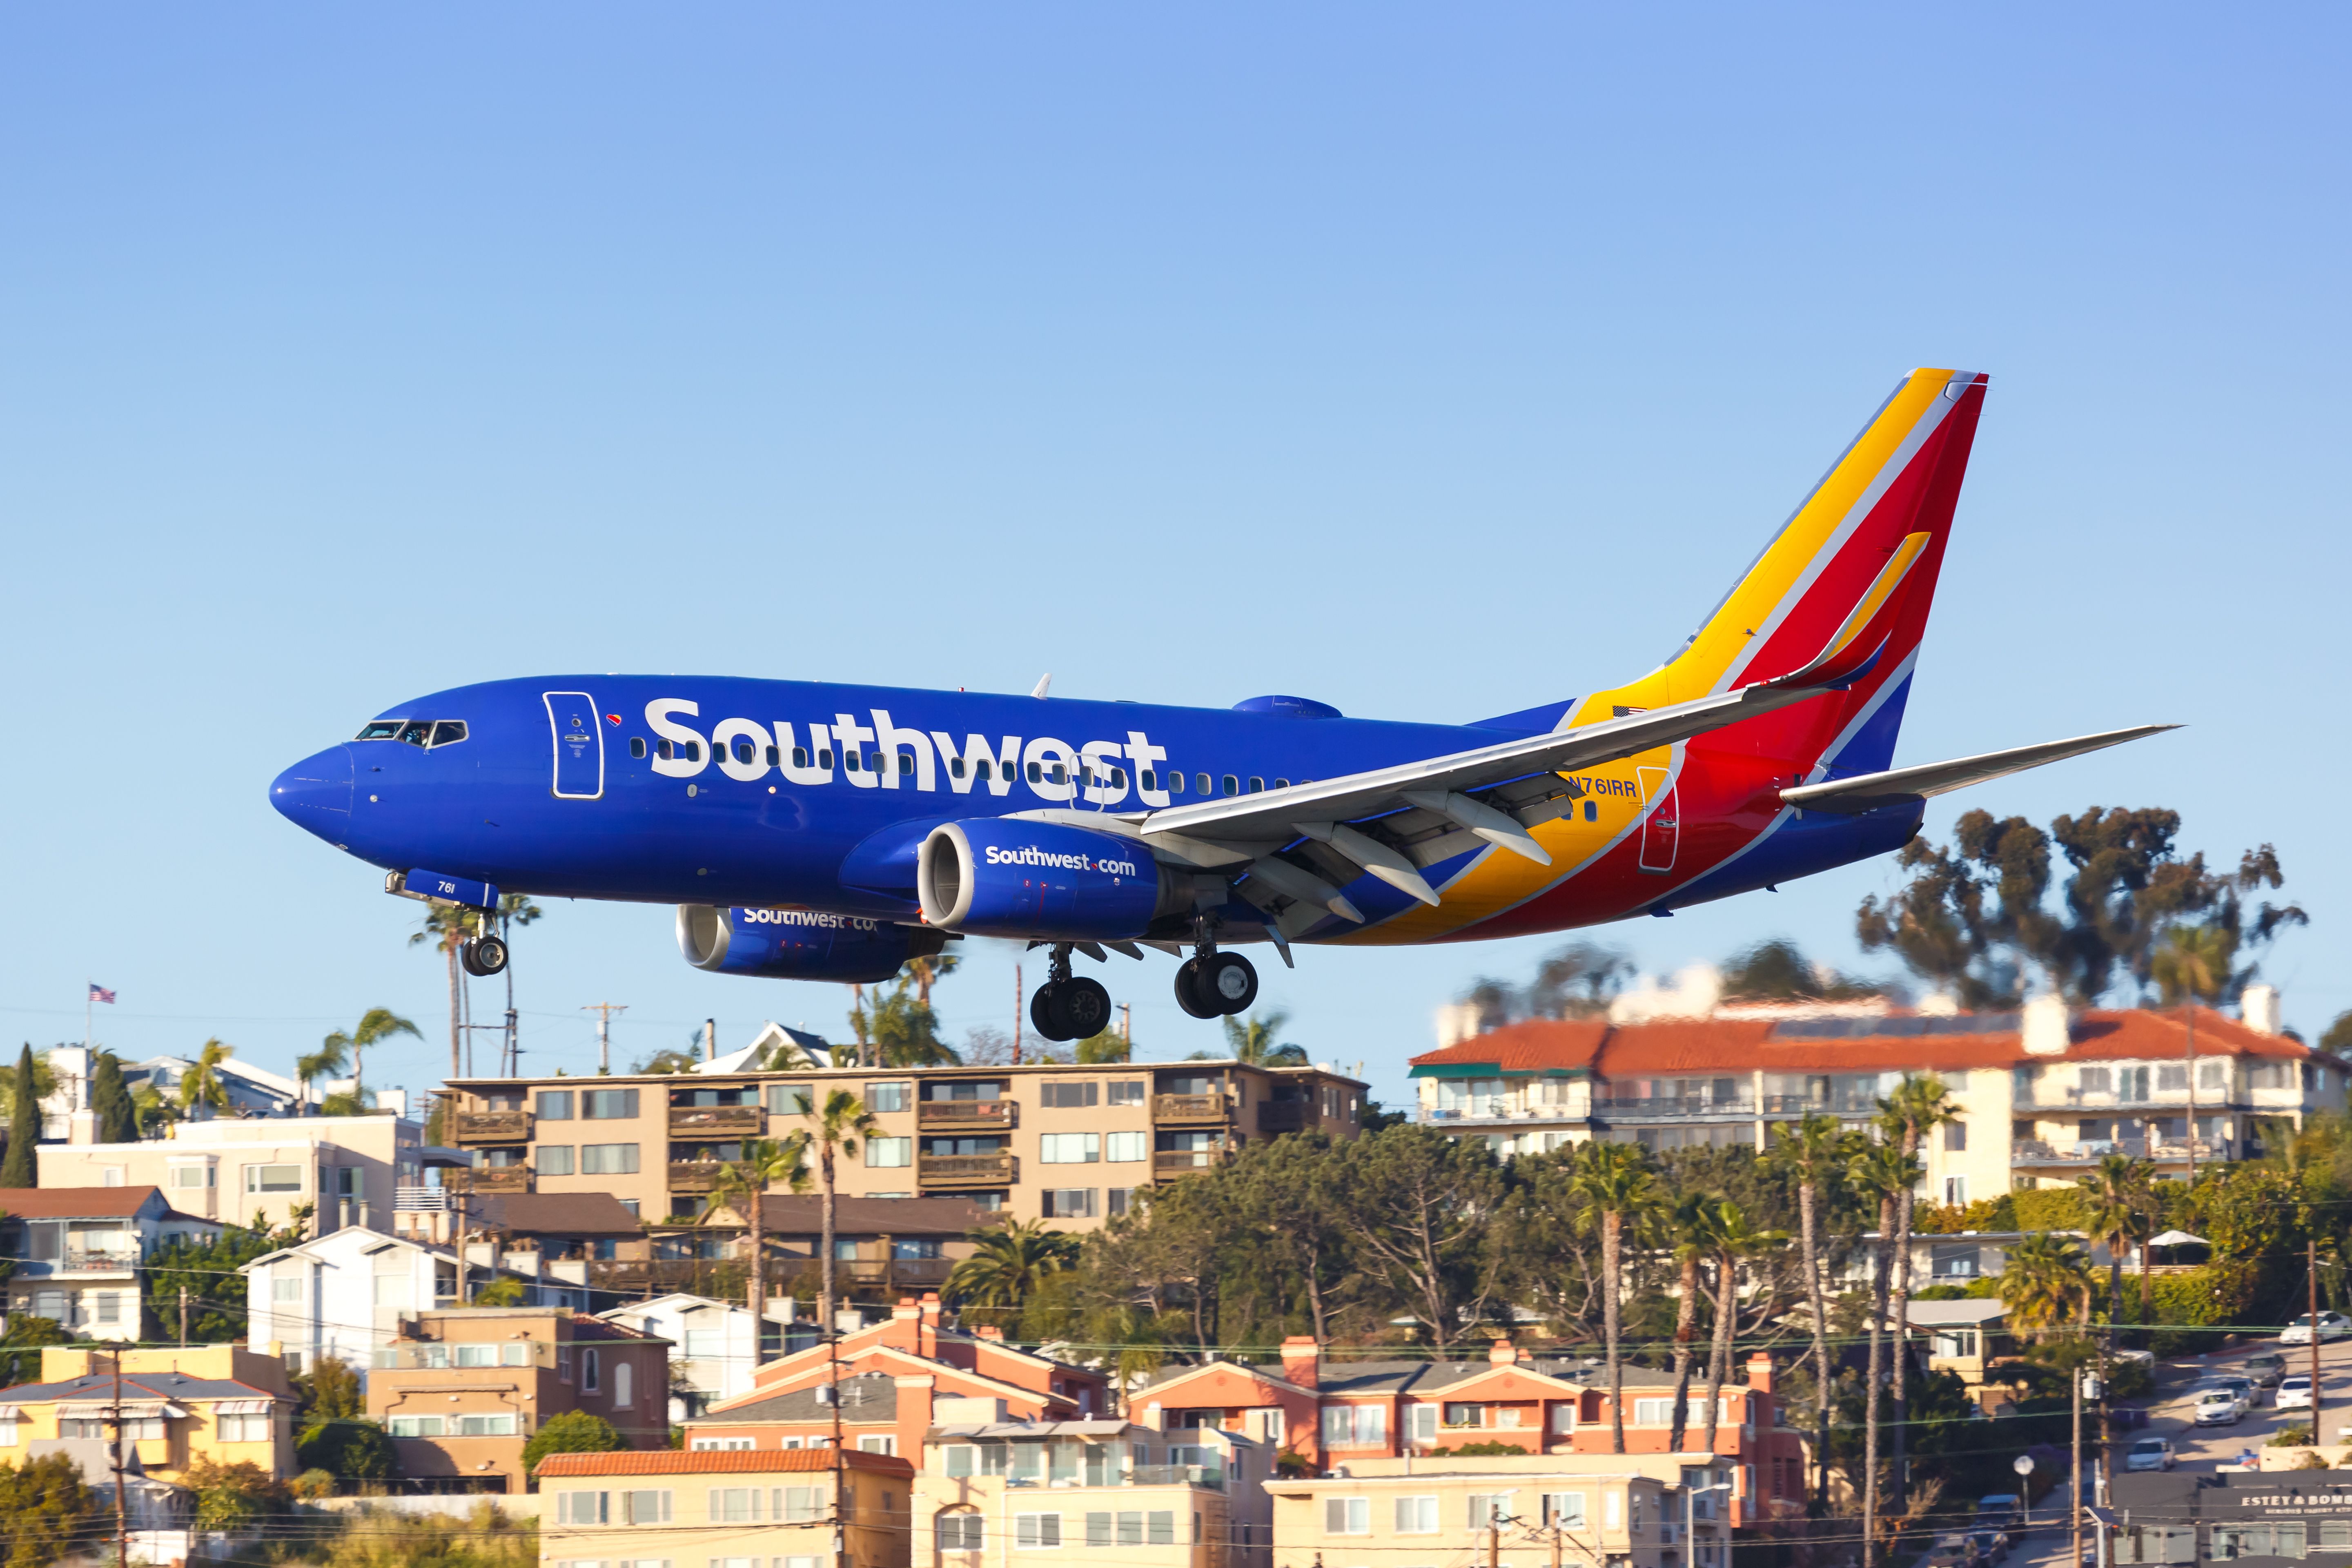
column 579, row 745
column 1661, row 830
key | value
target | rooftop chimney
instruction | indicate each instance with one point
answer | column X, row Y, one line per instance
column 1302, row 1361
column 1502, row 1353
column 2259, row 1007
column 2046, row 1025
column 988, row 1332
column 1759, row 1373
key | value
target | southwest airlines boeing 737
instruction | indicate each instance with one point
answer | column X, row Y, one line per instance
column 819, row 832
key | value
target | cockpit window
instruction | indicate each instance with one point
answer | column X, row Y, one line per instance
column 380, row 730
column 417, row 732
column 448, row 732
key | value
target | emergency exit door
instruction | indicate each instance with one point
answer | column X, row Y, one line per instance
column 579, row 745
column 1661, row 829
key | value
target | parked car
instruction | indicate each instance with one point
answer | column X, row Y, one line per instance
column 2000, row 1511
column 2217, row 1407
column 2245, row 1388
column 1992, row 1545
column 2331, row 1326
column 1950, row 1552
column 2150, row 1453
column 2237, row 1388
column 2294, row 1393
column 2266, row 1369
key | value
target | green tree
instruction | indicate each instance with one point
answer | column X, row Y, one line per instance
column 2120, row 1194
column 19, row 1169
column 1777, row 971
column 1578, row 981
column 1105, row 1049
column 668, row 1060
column 742, row 1186
column 1419, row 1206
column 1688, row 1226
column 448, row 928
column 570, row 1432
column 1252, row 1040
column 340, row 1052
column 236, row 1496
column 45, row 1084
column 20, row 1346
column 1613, row 1187
column 506, row 1291
column 50, row 1512
column 1879, row 1172
column 207, row 1268
column 1732, row 1240
column 1008, row 1266
column 835, row 1128
column 898, row 1028
column 1813, row 1154
column 201, row 1088
column 1919, row 1105
column 110, row 1097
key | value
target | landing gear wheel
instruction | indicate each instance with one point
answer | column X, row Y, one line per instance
column 465, row 959
column 1228, row 982
column 1044, row 1016
column 1081, row 1007
column 489, row 954
column 1188, row 990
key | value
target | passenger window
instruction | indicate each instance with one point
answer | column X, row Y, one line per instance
column 665, row 751
column 416, row 732
column 637, row 747
column 380, row 730
column 1200, row 783
column 1175, row 783
column 1061, row 772
column 800, row 756
column 448, row 732
column 694, row 750
column 979, row 769
column 1281, row 783
column 1257, row 784
column 1036, row 773
column 743, row 752
column 1118, row 778
column 852, row 763
column 1233, row 785
column 824, row 758
column 771, row 756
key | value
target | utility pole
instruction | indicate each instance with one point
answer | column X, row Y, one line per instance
column 459, row 1235
column 710, row 1039
column 604, row 1011
column 2189, row 1054
column 1016, row 1014
column 2311, row 1260
column 184, row 1317
column 1127, row 1026
column 833, row 1370
column 121, row 1513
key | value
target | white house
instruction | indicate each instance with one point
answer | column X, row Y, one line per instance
column 346, row 1294
column 78, row 1251
column 713, row 1360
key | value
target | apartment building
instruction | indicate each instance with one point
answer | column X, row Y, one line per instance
column 1501, row 1512
column 222, row 1402
column 464, row 1391
column 742, row 1510
column 1014, row 1494
column 353, row 1293
column 2043, row 1093
column 78, row 1251
column 1041, row 1141
column 1333, row 1412
column 714, row 1344
column 890, row 1377
column 233, row 1170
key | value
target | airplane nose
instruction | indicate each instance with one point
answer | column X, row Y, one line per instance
column 315, row 794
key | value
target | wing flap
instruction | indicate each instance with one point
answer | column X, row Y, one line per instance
column 1868, row 792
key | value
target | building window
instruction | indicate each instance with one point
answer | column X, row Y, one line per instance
column 2212, row 1075
column 1658, row 1412
column 735, row 1505
column 2172, row 1077
column 608, row 1159
column 1421, row 1422
column 962, row 1532
column 590, row 1372
column 882, row 1097
column 1133, row 1091
column 1355, row 1426
column 1956, row 1343
column 881, row 1152
column 624, row 1391
column 1347, row 1516
column 485, row 1425
column 1070, row 1148
column 580, row 1508
column 187, row 1176
column 1037, row 1530
column 554, row 1159
column 1269, row 1425
column 797, row 1505
column 555, row 1105
column 273, row 1178
column 1416, row 1516
column 1956, row 1137
column 1955, row 1191
column 1126, row 1148
column 1564, row 1510
column 649, row 1507
column 431, row 1426
column 1071, row 1096
column 1069, row 1202
column 608, row 1104
column 1117, row 1199
column 106, row 1307
column 877, row 1445
column 1488, row 1508
column 721, row 1445
column 789, row 1099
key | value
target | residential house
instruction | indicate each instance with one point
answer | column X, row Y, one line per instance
column 1501, row 1512
column 891, row 1373
column 465, row 1390
column 239, row 1171
column 1964, row 1338
column 2042, row 1093
column 1332, row 1412
column 78, row 1250
column 742, row 1510
column 1066, row 1142
column 715, row 1346
column 222, row 1402
column 998, row 1493
column 351, row 1294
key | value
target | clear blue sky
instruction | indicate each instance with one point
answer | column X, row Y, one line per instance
column 1432, row 362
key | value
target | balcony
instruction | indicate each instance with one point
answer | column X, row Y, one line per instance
column 489, row 1179
column 1183, row 1161
column 695, row 1175
column 967, row 1170
column 1281, row 1115
column 79, row 1260
column 928, row 1273
column 2034, row 1151
column 470, row 1127
column 965, row 1115
column 1191, row 1108
column 419, row 1199
column 651, row 1274
column 1656, row 1110
column 1498, row 1112
column 1210, row 1476
column 717, row 1120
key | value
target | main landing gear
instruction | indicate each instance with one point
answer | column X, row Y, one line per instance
column 482, row 955
column 1067, row 1006
column 1213, row 984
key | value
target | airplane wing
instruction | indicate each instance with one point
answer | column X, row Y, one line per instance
column 1867, row 792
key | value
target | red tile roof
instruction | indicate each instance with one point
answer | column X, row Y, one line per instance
column 76, row 1203
column 1715, row 1045
column 735, row 1461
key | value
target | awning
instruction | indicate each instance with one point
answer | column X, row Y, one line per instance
column 131, row 1409
column 2178, row 1238
column 243, row 1406
column 12, row 1412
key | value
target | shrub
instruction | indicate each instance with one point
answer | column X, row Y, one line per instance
column 2051, row 1208
column 45, row 1508
column 346, row 1446
column 2313, row 1461
column 572, row 1432
column 2291, row 1437
column 1469, row 1450
column 485, row 1539
column 311, row 1485
column 2201, row 1304
column 231, row 1497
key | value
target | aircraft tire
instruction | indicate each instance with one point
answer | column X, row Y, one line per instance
column 467, row 960
column 1230, row 983
column 489, row 955
column 1082, row 1007
column 1043, row 1017
column 1188, row 990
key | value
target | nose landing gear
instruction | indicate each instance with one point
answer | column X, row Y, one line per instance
column 1067, row 1006
column 482, row 955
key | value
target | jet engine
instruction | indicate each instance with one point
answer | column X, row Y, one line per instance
column 799, row 945
column 1009, row 876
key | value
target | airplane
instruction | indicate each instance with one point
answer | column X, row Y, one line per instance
column 832, row 832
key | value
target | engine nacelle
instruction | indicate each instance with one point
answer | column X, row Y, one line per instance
column 799, row 945
column 1006, row 876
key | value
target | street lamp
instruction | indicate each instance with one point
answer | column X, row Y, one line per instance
column 1690, row 1518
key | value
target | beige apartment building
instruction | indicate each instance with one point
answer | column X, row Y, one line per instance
column 2042, row 1093
column 724, row 1509
column 1070, row 1145
column 232, row 1168
column 1592, row 1510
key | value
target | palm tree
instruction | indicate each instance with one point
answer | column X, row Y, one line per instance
column 2191, row 965
column 1919, row 1105
column 836, row 1128
column 742, row 1184
column 1613, row 1186
column 341, row 1050
column 202, row 1086
column 1883, row 1172
column 1008, row 1264
column 1813, row 1154
column 1687, row 1223
column 2117, row 1196
column 929, row 970
column 1730, row 1237
column 2045, row 1280
column 1251, row 1040
column 448, row 927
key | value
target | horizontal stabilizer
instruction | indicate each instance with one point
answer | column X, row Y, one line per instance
column 1901, row 786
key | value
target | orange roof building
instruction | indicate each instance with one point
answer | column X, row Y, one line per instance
column 2043, row 1092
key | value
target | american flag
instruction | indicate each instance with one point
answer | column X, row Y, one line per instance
column 100, row 994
